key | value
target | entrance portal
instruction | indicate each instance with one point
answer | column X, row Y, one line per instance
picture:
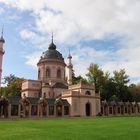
column 88, row 113
column 4, row 107
column 59, row 110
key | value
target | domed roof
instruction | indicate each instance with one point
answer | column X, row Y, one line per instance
column 52, row 46
column 52, row 53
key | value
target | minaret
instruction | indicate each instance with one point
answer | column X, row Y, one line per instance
column 69, row 66
column 2, row 41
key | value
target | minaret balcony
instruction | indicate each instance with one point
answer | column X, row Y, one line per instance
column 2, row 51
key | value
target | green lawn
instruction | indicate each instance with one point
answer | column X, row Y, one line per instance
column 113, row 128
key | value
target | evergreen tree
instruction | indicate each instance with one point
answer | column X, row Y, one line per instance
column 121, row 85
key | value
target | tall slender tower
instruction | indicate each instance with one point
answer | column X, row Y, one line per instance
column 69, row 66
column 2, row 41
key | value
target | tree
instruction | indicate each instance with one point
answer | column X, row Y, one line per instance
column 121, row 81
column 8, row 80
column 108, row 89
column 114, row 98
column 120, row 77
column 96, row 75
column 111, row 87
column 78, row 79
column 135, row 92
column 13, row 85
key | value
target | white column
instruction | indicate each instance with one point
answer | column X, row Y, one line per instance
column 69, row 66
column 2, row 41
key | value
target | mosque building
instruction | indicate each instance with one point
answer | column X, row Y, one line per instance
column 51, row 95
column 58, row 94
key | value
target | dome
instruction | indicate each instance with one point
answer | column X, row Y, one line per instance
column 52, row 53
column 52, row 46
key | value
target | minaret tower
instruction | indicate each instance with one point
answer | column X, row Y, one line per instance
column 2, row 41
column 69, row 66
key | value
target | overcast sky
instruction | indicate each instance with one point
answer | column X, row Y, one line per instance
column 106, row 32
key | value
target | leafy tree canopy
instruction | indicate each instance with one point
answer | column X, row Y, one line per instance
column 13, row 85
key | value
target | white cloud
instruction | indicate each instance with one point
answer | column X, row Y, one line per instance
column 39, row 42
column 30, row 5
column 33, row 59
column 83, row 56
column 75, row 21
column 26, row 34
column 1, row 10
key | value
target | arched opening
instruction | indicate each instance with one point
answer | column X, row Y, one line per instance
column 25, row 107
column 48, row 73
column 34, row 110
column 58, row 73
column 110, row 110
column 122, row 109
column 87, row 93
column 106, row 110
column 4, row 107
column 126, row 110
column 119, row 111
column 138, row 109
column 51, row 110
column 38, row 73
column 59, row 110
column 42, row 107
column 44, row 95
column 114, row 110
column 59, row 107
column 14, row 110
column 88, row 109
column 133, row 109
column 66, row 110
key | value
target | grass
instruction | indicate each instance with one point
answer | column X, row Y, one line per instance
column 111, row 128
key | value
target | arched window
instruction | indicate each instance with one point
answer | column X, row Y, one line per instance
column 44, row 95
column 58, row 73
column 38, row 73
column 48, row 73
column 88, row 109
column 88, row 93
